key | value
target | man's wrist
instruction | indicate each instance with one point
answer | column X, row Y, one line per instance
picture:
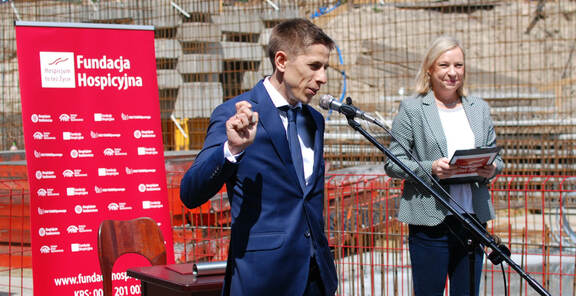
column 228, row 154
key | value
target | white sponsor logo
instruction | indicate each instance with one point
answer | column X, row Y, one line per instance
column 76, row 247
column 78, row 229
column 57, row 69
column 50, row 249
column 130, row 171
column 82, row 209
column 132, row 117
column 72, row 191
column 70, row 117
column 96, row 135
column 147, row 151
column 72, row 229
column 38, row 154
column 74, row 173
column 103, row 117
column 43, row 136
column 36, row 118
column 106, row 190
column 107, row 172
column 47, row 192
column 114, row 152
column 48, row 231
column 121, row 206
column 51, row 211
column 72, row 136
column 81, row 153
column 149, row 204
column 144, row 134
column 45, row 175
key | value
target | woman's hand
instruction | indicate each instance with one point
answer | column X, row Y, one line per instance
column 486, row 171
column 442, row 169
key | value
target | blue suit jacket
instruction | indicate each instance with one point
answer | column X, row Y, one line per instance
column 276, row 227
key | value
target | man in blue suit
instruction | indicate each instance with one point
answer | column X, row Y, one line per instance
column 266, row 145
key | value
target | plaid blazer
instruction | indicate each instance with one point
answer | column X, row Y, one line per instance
column 417, row 127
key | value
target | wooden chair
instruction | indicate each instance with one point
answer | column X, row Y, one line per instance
column 116, row 238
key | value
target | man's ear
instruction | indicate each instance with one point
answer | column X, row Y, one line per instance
column 280, row 60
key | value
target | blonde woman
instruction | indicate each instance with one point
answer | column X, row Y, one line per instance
column 438, row 120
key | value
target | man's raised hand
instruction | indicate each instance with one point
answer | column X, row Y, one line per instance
column 241, row 127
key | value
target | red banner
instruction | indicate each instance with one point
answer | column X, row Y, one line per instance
column 91, row 118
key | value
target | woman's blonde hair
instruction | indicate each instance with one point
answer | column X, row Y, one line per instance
column 441, row 45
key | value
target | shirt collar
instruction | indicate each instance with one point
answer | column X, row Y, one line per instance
column 277, row 98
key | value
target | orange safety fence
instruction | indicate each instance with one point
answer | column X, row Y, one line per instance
column 535, row 218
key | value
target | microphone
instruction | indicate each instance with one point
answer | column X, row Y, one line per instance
column 328, row 102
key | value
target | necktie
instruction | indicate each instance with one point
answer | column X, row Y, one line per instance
column 294, row 143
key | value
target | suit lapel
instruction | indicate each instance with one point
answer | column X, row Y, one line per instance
column 431, row 116
column 474, row 119
column 270, row 121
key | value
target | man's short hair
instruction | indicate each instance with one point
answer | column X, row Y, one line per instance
column 294, row 35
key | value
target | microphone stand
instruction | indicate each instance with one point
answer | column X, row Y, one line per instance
column 499, row 251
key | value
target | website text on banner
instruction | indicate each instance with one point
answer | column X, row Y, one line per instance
column 91, row 119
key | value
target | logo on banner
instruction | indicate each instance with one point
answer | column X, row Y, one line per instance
column 50, row 249
column 103, row 117
column 151, row 204
column 132, row 117
column 36, row 118
column 47, row 192
column 107, row 172
column 99, row 190
column 114, row 152
column 43, row 136
column 74, row 173
column 80, row 153
column 79, row 209
column 72, row 191
column 51, row 211
column 76, row 247
column 148, row 187
column 120, row 206
column 147, row 151
column 144, row 134
column 130, row 171
column 47, row 231
column 78, row 229
column 96, row 135
column 72, row 136
column 39, row 154
column 70, row 118
column 57, row 69
column 45, row 175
